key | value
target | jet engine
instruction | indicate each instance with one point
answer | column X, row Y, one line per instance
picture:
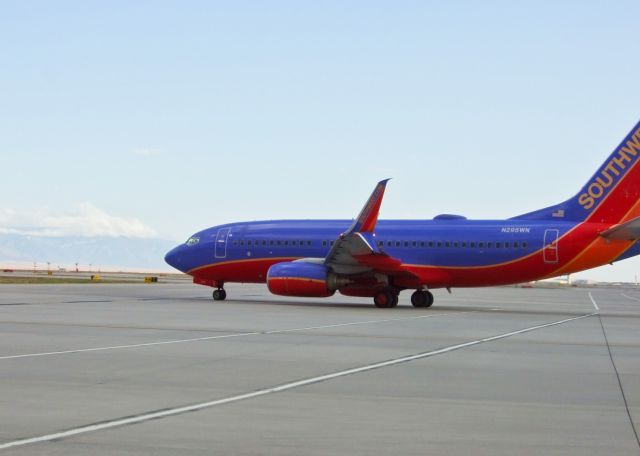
column 302, row 279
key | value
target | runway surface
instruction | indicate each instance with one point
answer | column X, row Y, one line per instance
column 161, row 369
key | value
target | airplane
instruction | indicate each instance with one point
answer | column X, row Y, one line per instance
column 378, row 259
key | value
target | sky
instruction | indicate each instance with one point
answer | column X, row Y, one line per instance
column 158, row 118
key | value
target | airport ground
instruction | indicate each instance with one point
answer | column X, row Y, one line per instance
column 161, row 369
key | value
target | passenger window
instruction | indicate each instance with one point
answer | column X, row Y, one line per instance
column 489, row 245
column 332, row 242
column 397, row 243
column 421, row 243
column 309, row 243
column 447, row 244
column 506, row 245
column 389, row 243
column 286, row 242
column 430, row 243
column 294, row 243
column 472, row 244
column 455, row 244
column 497, row 245
column 235, row 243
column 380, row 243
column 242, row 243
column 463, row 244
column 481, row 244
column 324, row 243
column 279, row 242
column 524, row 245
column 439, row 243
column 406, row 243
column 415, row 244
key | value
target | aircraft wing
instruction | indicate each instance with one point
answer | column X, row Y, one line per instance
column 356, row 250
column 628, row 231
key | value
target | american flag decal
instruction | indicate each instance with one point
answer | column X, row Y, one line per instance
column 558, row 213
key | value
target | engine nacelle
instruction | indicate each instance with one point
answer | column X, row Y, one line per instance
column 307, row 280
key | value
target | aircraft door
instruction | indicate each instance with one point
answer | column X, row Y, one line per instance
column 550, row 250
column 221, row 242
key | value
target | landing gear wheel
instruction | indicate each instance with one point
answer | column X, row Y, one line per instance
column 219, row 294
column 429, row 298
column 385, row 299
column 422, row 298
column 419, row 299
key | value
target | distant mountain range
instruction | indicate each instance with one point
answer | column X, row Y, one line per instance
column 100, row 252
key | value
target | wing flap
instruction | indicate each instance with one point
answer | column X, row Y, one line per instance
column 343, row 257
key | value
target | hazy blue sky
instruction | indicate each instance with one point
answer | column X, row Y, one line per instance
column 161, row 118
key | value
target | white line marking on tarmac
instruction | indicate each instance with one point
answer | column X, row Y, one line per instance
column 225, row 336
column 629, row 297
column 595, row 304
column 276, row 389
column 116, row 347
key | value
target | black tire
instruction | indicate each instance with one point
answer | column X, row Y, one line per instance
column 430, row 299
column 419, row 299
column 396, row 298
column 219, row 295
column 384, row 299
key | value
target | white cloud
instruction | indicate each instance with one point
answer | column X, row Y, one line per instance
column 84, row 220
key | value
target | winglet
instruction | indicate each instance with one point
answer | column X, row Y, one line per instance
column 368, row 217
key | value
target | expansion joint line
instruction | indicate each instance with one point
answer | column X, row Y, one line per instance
column 615, row 369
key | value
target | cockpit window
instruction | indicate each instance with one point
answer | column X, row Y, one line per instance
column 192, row 240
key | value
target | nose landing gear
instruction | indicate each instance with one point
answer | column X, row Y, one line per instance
column 422, row 298
column 220, row 294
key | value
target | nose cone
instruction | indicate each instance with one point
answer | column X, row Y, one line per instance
column 174, row 258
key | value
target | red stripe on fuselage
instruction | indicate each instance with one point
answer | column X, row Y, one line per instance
column 247, row 271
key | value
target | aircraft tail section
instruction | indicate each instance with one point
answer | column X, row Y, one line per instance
column 612, row 195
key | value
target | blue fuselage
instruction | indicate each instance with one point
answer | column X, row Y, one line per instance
column 455, row 243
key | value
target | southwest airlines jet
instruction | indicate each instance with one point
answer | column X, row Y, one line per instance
column 379, row 259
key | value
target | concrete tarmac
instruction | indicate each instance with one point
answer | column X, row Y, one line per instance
column 160, row 369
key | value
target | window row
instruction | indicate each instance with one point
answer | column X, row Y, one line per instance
column 406, row 244
column 455, row 244
column 264, row 243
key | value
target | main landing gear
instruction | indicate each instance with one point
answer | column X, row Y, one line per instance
column 219, row 294
column 385, row 298
column 422, row 298
column 388, row 297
